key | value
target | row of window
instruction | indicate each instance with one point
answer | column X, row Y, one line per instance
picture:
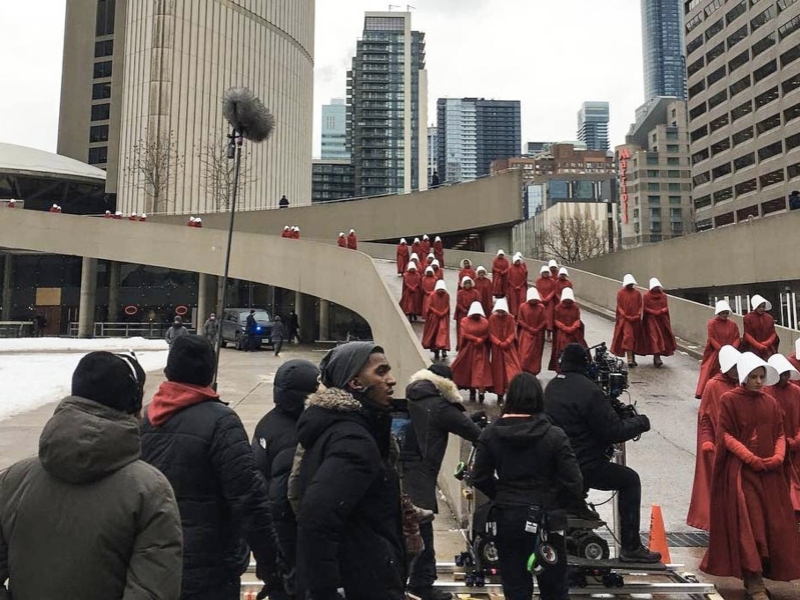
column 746, row 187
column 756, row 210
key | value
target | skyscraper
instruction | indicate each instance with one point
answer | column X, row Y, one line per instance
column 663, row 46
column 593, row 125
column 387, row 100
column 334, row 130
column 433, row 152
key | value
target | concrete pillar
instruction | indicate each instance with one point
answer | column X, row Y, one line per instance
column 8, row 269
column 220, row 303
column 306, row 315
column 497, row 239
column 113, row 291
column 88, row 297
column 203, row 299
column 324, row 320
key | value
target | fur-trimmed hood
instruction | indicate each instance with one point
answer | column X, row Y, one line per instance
column 333, row 399
column 425, row 383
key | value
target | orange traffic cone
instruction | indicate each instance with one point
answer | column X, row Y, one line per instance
column 658, row 535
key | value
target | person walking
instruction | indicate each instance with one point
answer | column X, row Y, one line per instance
column 175, row 331
column 472, row 369
column 293, row 325
column 759, row 335
column 278, row 334
column 628, row 335
column 251, row 328
column 721, row 332
column 503, row 338
column 656, row 325
column 531, row 326
column 211, row 329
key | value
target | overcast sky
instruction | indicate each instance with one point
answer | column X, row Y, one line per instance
column 549, row 54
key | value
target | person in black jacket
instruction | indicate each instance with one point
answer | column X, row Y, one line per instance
column 349, row 523
column 201, row 446
column 434, row 405
column 578, row 405
column 251, row 326
column 274, row 445
column 522, row 461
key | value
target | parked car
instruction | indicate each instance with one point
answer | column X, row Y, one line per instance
column 234, row 327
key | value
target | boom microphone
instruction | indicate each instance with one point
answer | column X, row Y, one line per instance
column 247, row 114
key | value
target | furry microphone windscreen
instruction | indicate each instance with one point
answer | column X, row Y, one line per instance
column 247, row 114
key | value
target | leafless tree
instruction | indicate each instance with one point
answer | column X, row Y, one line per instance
column 573, row 239
column 218, row 171
column 153, row 168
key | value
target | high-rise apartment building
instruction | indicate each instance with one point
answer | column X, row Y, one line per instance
column 387, row 107
column 331, row 179
column 334, row 130
column 664, row 47
column 744, row 107
column 433, row 150
column 593, row 120
column 473, row 132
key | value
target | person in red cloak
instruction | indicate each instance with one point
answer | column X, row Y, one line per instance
column 133, row 217
column 788, row 397
column 721, row 331
column 503, row 336
column 416, row 247
column 143, row 218
column 794, row 357
column 546, row 287
column 517, row 284
column 753, row 531
column 402, row 257
column 341, row 241
column 707, row 418
column 524, row 266
column 54, row 208
column 568, row 327
column 425, row 244
column 500, row 268
column 285, row 233
column 411, row 299
column 295, row 233
column 471, row 369
column 436, row 335
column 438, row 250
column 464, row 299
column 759, row 335
column 485, row 287
column 628, row 327
column 552, row 265
column 198, row 222
column 429, row 260
column 108, row 214
column 531, row 324
column 656, row 326
column 437, row 269
column 466, row 271
column 352, row 240
column 427, row 285
column 562, row 282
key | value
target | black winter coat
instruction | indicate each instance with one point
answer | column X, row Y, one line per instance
column 350, row 531
column 434, row 404
column 577, row 405
column 526, row 460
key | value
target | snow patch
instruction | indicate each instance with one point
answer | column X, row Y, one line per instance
column 45, row 344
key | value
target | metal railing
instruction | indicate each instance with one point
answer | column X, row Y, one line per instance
column 16, row 329
column 145, row 330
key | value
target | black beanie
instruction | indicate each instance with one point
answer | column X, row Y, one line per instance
column 441, row 370
column 575, row 357
column 108, row 379
column 191, row 360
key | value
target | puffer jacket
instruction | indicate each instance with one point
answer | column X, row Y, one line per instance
column 86, row 518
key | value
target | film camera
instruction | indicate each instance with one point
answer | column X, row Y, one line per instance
column 608, row 371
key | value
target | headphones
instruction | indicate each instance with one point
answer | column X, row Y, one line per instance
column 136, row 385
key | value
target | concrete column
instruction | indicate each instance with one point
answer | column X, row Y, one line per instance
column 324, row 320
column 220, row 304
column 306, row 315
column 203, row 299
column 113, row 291
column 8, row 269
column 88, row 297
column 497, row 239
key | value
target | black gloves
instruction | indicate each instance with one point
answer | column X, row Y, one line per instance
column 644, row 422
column 478, row 417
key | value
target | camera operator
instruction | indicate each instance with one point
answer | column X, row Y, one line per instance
column 576, row 404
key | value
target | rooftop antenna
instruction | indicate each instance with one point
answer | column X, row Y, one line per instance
column 391, row 6
column 409, row 8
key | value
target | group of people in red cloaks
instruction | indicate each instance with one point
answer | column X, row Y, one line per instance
column 291, row 232
column 349, row 241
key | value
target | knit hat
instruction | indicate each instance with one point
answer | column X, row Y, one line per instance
column 441, row 370
column 574, row 356
column 191, row 360
column 113, row 380
column 344, row 362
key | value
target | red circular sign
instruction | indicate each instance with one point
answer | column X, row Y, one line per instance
column 181, row 310
column 131, row 310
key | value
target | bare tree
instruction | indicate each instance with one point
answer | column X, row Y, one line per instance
column 218, row 171
column 573, row 239
column 153, row 167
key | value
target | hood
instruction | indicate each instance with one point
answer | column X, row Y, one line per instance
column 425, row 383
column 518, row 431
column 500, row 304
column 749, row 362
column 294, row 381
column 85, row 441
column 323, row 409
column 722, row 306
column 173, row 397
column 758, row 300
column 654, row 283
column 532, row 294
column 476, row 308
column 440, row 286
column 628, row 280
column 782, row 365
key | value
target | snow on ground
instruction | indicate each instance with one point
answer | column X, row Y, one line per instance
column 40, row 370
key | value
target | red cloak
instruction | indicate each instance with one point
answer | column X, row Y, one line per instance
column 720, row 333
column 416, row 248
column 471, row 368
column 795, row 363
column 466, row 273
column 439, row 273
column 628, row 327
column 760, row 336
column 438, row 252
column 505, row 360
column 568, row 329
column 436, row 334
column 411, row 300
column 352, row 241
column 425, row 246
column 427, row 285
column 707, row 419
column 485, row 287
column 500, row 269
column 656, row 325
column 517, row 287
column 295, row 235
column 752, row 521
column 341, row 242
column 546, row 286
column 285, row 233
column 788, row 398
column 464, row 299
column 561, row 285
column 531, row 324
column 402, row 258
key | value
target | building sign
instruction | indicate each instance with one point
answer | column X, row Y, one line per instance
column 624, row 156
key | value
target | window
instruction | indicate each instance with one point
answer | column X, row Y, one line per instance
column 694, row 22
column 688, row 6
column 791, row 55
column 673, row 173
column 767, row 97
column 98, row 133
column 652, row 159
column 726, row 219
column 764, row 44
column 696, row 66
column 717, row 99
column 698, row 110
column 672, row 148
column 791, row 84
column 737, row 36
column 674, row 199
column 654, row 200
column 697, row 88
column 784, row 4
column 673, row 161
column 722, row 195
column 721, row 146
column 715, row 76
column 736, row 12
column 741, row 110
column 792, row 142
column 789, row 28
column 762, row 18
column 791, row 113
column 715, row 52
column 653, row 187
column 740, row 85
column 700, row 156
column 101, row 91
column 771, row 178
column 738, row 61
column 745, row 187
column 701, row 178
column 702, row 201
column 772, row 206
column 714, row 29
column 768, row 124
column 676, row 214
column 744, row 161
column 694, row 44
column 712, row 7
column 104, row 24
column 699, row 133
column 742, row 136
column 743, row 214
column 674, row 187
column 98, row 156
column 765, row 71
column 793, row 171
column 651, row 173
column 102, row 69
column 721, row 171
column 104, row 48
column 672, row 134
column 100, row 112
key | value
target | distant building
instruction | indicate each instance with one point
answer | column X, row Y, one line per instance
column 334, row 131
column 533, row 148
column 663, row 48
column 332, row 180
column 593, row 120
column 433, row 149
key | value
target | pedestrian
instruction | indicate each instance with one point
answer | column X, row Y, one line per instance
column 472, row 369
column 286, row 232
column 201, row 446
column 753, row 532
column 500, row 269
column 436, row 334
column 274, row 445
column 721, row 331
column 788, row 397
column 466, row 271
column 546, row 286
column 283, row 202
column 656, row 325
column 434, row 405
column 40, row 325
column 759, row 336
column 628, row 336
column 526, row 466
column 429, row 259
column 427, row 285
column 411, row 297
column 293, row 325
column 517, row 287
column 251, row 329
column 349, row 521
column 437, row 270
column 402, row 257
column 485, row 288
column 295, row 233
column 175, row 331
column 503, row 337
column 531, row 325
column 568, row 327
column 341, row 241
column 87, row 518
column 352, row 240
column 438, row 250
column 466, row 295
column 278, row 334
column 425, row 244
column 416, row 247
column 562, row 282
column 211, row 329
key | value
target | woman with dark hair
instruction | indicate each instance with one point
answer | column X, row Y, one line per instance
column 525, row 465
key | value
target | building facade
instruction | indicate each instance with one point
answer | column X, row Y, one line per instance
column 141, row 97
column 534, row 148
column 744, row 107
column 593, row 120
column 433, row 150
column 663, row 47
column 387, row 107
column 332, row 180
column 654, row 174
column 334, row 131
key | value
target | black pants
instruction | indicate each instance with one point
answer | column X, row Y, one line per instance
column 277, row 344
column 611, row 476
column 227, row 591
column 514, row 547
column 423, row 567
column 252, row 343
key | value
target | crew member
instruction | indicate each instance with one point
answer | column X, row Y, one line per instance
column 721, row 331
column 760, row 336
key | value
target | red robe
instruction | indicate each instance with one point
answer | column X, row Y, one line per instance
column 464, row 299
column 656, row 326
column 628, row 328
column 427, row 285
column 561, row 285
column 436, row 334
column 411, row 300
column 568, row 329
column 402, row 258
column 531, row 324
column 416, row 248
column 505, row 360
column 795, row 363
column 471, row 368
column 500, row 269
column 286, row 233
column 439, row 273
column 425, row 246
column 707, row 419
column 554, row 272
column 517, row 287
column 546, row 286
column 760, row 336
column 788, row 397
column 466, row 273
column 720, row 333
column 352, row 241
column 295, row 235
column 341, row 242
column 485, row 287
column 752, row 520
column 438, row 252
